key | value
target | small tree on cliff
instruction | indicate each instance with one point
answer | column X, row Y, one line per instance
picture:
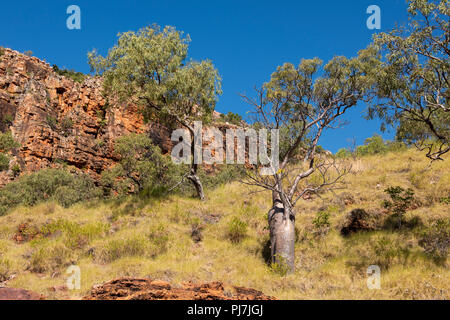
column 301, row 104
column 149, row 68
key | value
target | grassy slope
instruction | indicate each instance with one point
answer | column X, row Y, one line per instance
column 331, row 267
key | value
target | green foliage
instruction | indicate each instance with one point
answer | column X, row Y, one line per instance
column 150, row 245
column 4, row 162
column 150, row 67
column 322, row 223
column 343, row 153
column 50, row 257
column 436, row 240
column 75, row 236
column 52, row 122
column 71, row 74
column 401, row 200
column 387, row 252
column 5, row 269
column 232, row 118
column 236, row 230
column 28, row 53
column 2, row 51
column 142, row 166
column 8, row 119
column 48, row 184
column 281, row 267
column 411, row 84
column 66, row 126
column 7, row 143
column 372, row 146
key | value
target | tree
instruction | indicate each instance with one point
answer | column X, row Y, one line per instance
column 302, row 102
column 142, row 165
column 149, row 68
column 413, row 80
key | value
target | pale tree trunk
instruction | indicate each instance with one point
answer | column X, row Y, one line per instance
column 193, row 177
column 282, row 235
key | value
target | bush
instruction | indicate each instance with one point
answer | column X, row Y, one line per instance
column 400, row 201
column 4, row 162
column 321, row 223
column 2, row 51
column 388, row 252
column 343, row 153
column 236, row 230
column 5, row 269
column 50, row 257
column 232, row 118
column 75, row 236
column 71, row 74
column 150, row 245
column 7, row 143
column 48, row 184
column 436, row 240
column 142, row 166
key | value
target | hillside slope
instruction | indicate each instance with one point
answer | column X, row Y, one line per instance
column 226, row 239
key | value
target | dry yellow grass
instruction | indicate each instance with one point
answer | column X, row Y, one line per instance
column 154, row 240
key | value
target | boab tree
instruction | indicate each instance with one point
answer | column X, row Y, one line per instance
column 149, row 68
column 412, row 85
column 302, row 102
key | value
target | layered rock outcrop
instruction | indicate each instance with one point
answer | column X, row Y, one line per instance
column 59, row 121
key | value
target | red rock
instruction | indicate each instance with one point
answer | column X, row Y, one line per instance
column 19, row 294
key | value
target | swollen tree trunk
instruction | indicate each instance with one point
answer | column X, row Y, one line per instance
column 282, row 235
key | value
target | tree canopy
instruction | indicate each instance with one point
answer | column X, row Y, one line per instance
column 412, row 85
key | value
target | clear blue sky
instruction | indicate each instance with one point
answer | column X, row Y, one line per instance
column 245, row 39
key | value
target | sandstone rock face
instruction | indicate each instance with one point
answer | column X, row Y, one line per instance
column 57, row 120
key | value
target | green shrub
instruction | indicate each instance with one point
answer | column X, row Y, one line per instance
column 236, row 230
column 7, row 142
column 321, row 223
column 343, row 153
column 5, row 269
column 401, row 200
column 387, row 252
column 48, row 184
column 142, row 167
column 71, row 74
column 232, row 118
column 76, row 236
column 66, row 126
column 281, row 267
column 2, row 51
column 4, row 162
column 50, row 257
column 436, row 240
column 52, row 122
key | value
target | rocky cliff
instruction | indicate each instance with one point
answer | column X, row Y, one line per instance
column 59, row 121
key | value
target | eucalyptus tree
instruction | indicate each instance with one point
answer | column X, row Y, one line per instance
column 302, row 102
column 149, row 68
column 413, row 80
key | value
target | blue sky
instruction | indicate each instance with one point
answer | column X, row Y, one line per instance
column 245, row 39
